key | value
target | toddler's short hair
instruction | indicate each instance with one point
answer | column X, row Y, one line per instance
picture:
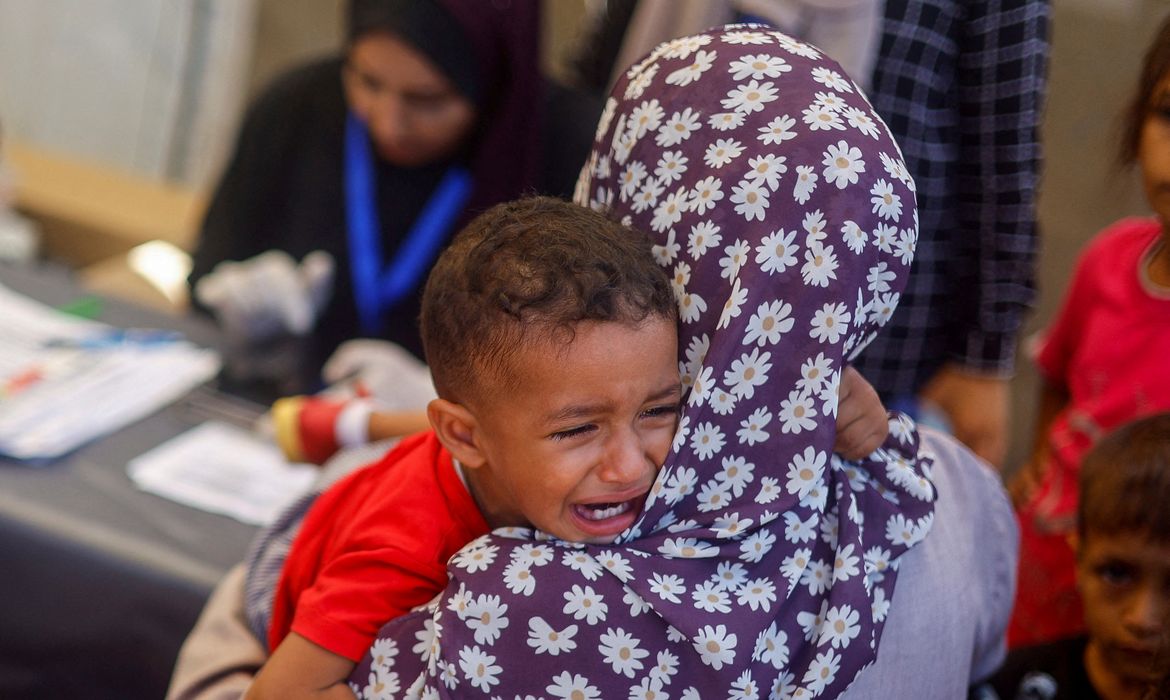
column 530, row 270
column 1125, row 482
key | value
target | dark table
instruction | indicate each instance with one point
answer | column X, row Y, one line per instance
column 100, row 582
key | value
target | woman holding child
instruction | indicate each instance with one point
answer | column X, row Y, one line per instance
column 760, row 564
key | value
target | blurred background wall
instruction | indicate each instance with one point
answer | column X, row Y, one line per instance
column 155, row 88
column 151, row 86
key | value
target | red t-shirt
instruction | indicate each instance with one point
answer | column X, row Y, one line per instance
column 1108, row 348
column 373, row 546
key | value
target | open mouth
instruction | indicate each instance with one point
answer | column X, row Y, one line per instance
column 609, row 519
column 604, row 511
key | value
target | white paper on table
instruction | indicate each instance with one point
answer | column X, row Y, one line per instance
column 81, row 393
column 223, row 469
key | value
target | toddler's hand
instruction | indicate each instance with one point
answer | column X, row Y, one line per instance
column 862, row 421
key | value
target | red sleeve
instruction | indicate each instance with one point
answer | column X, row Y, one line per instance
column 374, row 546
column 358, row 592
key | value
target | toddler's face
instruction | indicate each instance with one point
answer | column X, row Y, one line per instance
column 575, row 445
column 1125, row 585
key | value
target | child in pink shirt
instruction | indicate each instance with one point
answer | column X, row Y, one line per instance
column 1103, row 363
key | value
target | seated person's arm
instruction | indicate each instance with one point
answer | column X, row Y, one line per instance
column 976, row 404
column 1023, row 484
column 301, row 669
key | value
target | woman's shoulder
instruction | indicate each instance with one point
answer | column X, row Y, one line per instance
column 308, row 91
column 1132, row 230
column 1114, row 245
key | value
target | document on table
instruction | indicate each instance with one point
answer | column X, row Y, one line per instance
column 65, row 381
column 223, row 469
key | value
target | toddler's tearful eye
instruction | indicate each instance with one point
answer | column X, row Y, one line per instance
column 572, row 432
column 659, row 411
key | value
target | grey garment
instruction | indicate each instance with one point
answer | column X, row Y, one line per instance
column 265, row 563
column 949, row 615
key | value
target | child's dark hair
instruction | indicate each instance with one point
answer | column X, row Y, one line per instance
column 1125, row 482
column 529, row 270
column 1155, row 67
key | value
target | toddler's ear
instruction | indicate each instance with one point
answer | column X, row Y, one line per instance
column 456, row 428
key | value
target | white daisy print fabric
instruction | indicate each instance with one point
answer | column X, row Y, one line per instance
column 762, row 564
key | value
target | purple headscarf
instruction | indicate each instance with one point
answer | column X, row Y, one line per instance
column 762, row 565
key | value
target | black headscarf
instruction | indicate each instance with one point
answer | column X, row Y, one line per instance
column 425, row 25
column 490, row 51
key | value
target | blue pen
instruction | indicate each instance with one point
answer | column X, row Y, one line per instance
column 118, row 337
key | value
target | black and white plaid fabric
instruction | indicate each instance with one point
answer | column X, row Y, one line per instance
column 961, row 84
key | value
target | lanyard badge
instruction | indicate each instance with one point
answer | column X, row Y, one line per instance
column 377, row 288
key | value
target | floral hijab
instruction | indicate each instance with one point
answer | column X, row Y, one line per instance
column 762, row 564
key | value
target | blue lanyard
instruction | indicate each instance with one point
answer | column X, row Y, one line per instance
column 376, row 289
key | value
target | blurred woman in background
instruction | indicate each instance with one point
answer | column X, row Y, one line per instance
column 351, row 173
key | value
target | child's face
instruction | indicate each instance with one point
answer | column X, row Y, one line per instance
column 1154, row 151
column 1124, row 581
column 574, row 447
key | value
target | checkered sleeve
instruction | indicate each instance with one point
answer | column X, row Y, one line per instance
column 1001, row 75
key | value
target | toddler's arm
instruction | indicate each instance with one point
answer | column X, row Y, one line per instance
column 388, row 424
column 301, row 669
column 862, row 421
column 313, row 428
column 309, row 423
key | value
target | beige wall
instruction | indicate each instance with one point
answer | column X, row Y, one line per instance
column 290, row 31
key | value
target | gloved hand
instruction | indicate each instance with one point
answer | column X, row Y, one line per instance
column 383, row 370
column 268, row 294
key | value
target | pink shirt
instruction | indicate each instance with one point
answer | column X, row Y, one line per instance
column 1109, row 348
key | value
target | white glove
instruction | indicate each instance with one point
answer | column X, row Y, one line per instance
column 388, row 372
column 269, row 294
